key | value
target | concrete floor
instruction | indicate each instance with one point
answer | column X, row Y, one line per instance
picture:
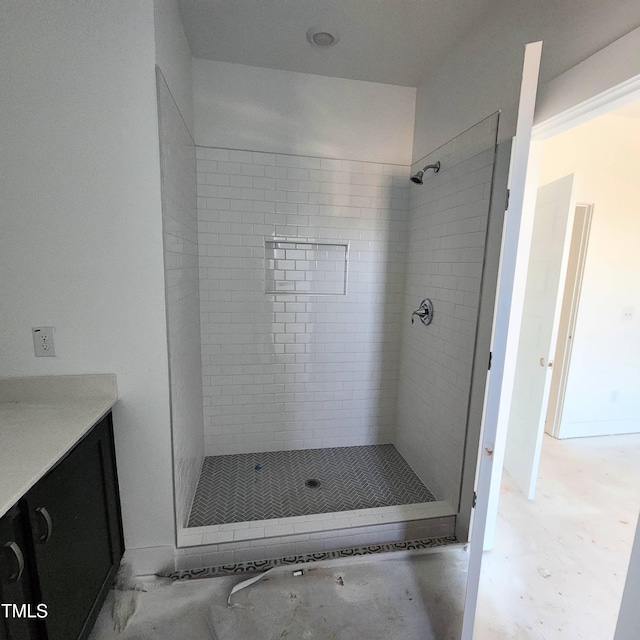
column 399, row 596
column 557, row 570
column 559, row 562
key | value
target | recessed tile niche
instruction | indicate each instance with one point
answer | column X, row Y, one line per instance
column 305, row 267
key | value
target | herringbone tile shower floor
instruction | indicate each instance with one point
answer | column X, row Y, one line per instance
column 261, row 486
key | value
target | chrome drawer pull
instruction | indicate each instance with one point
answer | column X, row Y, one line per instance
column 47, row 519
column 17, row 552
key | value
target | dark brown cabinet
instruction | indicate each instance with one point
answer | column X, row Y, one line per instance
column 69, row 525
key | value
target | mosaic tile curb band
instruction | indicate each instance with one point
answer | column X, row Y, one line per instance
column 264, row 565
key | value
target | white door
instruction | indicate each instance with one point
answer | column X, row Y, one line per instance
column 520, row 159
column 554, row 212
column 568, row 318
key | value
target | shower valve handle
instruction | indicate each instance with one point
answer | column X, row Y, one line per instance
column 424, row 312
column 421, row 313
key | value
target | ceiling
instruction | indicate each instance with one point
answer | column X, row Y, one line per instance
column 397, row 41
column 388, row 41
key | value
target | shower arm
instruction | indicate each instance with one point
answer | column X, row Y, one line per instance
column 417, row 178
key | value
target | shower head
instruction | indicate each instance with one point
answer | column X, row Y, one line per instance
column 416, row 178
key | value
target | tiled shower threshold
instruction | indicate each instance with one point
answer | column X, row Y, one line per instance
column 315, row 523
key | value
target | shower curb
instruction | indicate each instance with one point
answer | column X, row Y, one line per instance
column 258, row 566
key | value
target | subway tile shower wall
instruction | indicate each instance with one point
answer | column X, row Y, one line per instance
column 180, row 231
column 445, row 256
column 294, row 371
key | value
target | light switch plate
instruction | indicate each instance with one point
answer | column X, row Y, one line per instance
column 43, row 344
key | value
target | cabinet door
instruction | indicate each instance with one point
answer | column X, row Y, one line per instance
column 15, row 580
column 74, row 517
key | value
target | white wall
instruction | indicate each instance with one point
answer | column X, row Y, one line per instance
column 445, row 255
column 294, row 371
column 180, row 225
column 482, row 73
column 173, row 56
column 81, row 232
column 242, row 107
column 605, row 69
column 604, row 377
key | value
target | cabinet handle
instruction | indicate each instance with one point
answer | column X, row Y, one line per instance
column 17, row 552
column 47, row 519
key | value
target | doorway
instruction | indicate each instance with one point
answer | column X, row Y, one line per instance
column 591, row 386
column 568, row 317
column 594, row 414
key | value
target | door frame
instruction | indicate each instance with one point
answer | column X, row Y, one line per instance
column 613, row 98
column 568, row 316
column 507, row 262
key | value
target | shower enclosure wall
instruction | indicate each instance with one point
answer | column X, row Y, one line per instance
column 446, row 260
column 309, row 271
column 294, row 371
column 182, row 293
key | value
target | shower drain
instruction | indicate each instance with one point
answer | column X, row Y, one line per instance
column 312, row 484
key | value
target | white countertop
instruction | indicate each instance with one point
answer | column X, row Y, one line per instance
column 41, row 419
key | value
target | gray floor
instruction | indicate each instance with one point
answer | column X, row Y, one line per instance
column 280, row 484
column 399, row 596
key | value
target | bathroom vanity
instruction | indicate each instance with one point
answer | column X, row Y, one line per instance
column 60, row 525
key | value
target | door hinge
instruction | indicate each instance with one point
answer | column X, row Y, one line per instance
column 506, row 204
column 475, row 500
column 490, row 359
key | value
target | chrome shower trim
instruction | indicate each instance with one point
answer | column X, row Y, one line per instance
column 416, row 178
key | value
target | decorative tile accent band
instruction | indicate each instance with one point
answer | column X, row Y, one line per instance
column 306, row 267
column 259, row 566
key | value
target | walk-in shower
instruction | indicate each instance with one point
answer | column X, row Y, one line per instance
column 308, row 412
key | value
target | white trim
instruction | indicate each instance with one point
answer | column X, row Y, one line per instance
column 526, row 108
column 507, row 333
column 613, row 98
